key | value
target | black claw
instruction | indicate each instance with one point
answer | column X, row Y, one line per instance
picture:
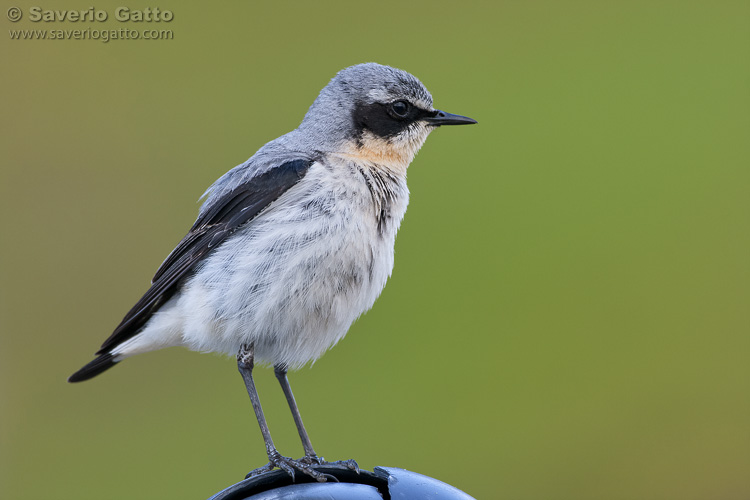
column 260, row 470
column 343, row 464
column 287, row 469
column 353, row 465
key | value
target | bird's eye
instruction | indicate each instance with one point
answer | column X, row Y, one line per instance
column 400, row 108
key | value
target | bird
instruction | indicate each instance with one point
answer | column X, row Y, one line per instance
column 290, row 247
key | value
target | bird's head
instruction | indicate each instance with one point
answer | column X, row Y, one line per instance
column 378, row 114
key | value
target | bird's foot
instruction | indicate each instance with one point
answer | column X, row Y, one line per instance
column 304, row 465
column 289, row 466
column 341, row 464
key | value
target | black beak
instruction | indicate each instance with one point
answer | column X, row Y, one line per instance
column 443, row 118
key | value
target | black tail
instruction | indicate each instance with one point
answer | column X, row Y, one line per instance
column 102, row 363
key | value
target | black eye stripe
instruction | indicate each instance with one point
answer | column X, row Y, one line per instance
column 382, row 120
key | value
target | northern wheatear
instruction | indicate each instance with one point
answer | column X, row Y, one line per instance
column 290, row 247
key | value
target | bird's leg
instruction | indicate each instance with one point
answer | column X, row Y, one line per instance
column 245, row 363
column 310, row 456
column 306, row 444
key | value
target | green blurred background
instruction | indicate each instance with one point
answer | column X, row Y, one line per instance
column 568, row 315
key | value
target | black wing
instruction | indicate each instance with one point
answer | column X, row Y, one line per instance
column 227, row 214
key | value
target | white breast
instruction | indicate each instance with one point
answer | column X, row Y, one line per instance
column 294, row 279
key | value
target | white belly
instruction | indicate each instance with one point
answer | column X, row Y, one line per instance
column 293, row 280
